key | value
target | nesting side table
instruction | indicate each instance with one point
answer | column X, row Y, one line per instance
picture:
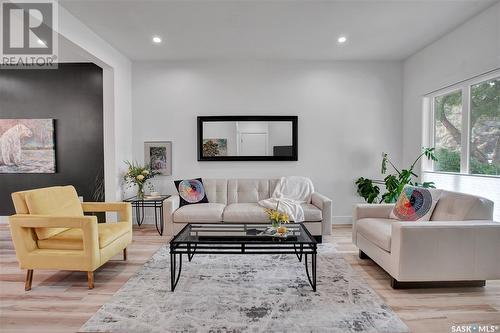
column 149, row 202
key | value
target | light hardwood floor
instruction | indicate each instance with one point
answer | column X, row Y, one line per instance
column 60, row 301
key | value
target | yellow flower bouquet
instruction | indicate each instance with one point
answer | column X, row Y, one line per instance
column 276, row 217
column 138, row 175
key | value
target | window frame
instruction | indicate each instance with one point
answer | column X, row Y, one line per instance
column 466, row 130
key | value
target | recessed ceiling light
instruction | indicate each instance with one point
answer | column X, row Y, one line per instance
column 156, row 40
column 342, row 39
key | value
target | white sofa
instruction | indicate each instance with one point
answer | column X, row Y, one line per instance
column 460, row 245
column 235, row 200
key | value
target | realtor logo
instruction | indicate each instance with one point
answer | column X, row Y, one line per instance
column 28, row 37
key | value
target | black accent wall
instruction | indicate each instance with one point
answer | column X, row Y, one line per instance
column 73, row 96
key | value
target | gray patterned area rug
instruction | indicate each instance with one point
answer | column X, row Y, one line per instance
column 246, row 293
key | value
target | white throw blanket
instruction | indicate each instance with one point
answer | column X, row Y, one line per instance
column 291, row 192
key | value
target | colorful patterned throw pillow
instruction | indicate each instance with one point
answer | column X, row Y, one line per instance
column 415, row 204
column 191, row 191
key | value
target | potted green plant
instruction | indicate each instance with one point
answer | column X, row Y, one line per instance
column 394, row 183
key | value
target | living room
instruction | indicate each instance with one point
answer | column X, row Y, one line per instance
column 350, row 149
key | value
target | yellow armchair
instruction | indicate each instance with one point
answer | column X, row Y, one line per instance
column 50, row 231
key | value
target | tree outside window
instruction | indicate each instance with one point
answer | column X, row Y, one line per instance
column 484, row 127
column 447, row 136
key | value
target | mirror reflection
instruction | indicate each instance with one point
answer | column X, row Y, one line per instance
column 247, row 138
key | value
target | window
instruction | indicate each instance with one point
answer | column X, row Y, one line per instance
column 447, row 131
column 485, row 128
column 465, row 127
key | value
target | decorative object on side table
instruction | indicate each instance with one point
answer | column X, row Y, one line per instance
column 394, row 183
column 138, row 176
column 158, row 156
column 27, row 146
column 153, row 195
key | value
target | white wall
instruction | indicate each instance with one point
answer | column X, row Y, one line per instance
column 117, row 96
column 349, row 112
column 471, row 49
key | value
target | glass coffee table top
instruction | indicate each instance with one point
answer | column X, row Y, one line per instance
column 250, row 233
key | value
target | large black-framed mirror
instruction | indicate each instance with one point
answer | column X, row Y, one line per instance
column 247, row 138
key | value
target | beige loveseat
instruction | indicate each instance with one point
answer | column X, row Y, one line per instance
column 460, row 243
column 235, row 200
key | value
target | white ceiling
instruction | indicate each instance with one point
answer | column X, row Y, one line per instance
column 273, row 29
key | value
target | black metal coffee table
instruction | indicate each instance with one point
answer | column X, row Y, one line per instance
column 240, row 238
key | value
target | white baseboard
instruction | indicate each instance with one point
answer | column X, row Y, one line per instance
column 342, row 220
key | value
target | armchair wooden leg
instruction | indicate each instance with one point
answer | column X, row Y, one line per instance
column 125, row 254
column 29, row 279
column 90, row 279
